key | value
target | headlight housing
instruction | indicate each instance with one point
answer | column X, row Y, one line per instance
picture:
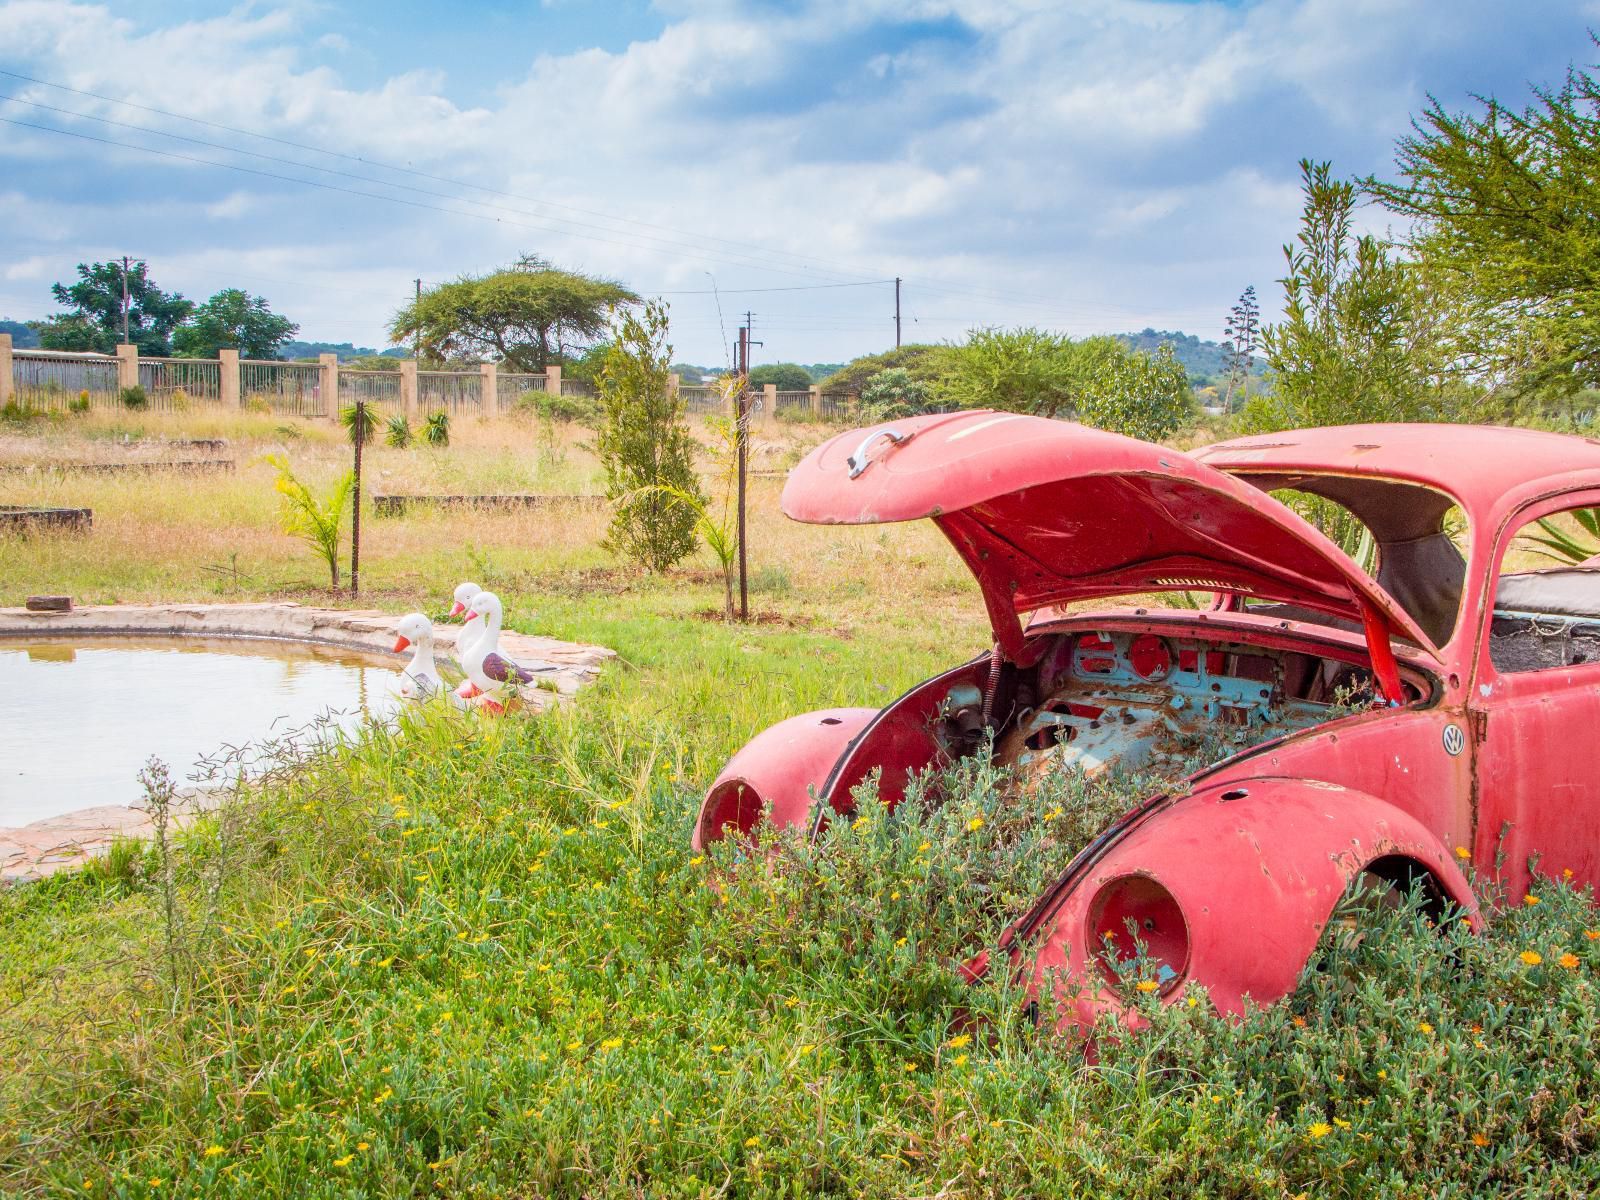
column 1134, row 915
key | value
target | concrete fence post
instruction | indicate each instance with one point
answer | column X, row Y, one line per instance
column 674, row 383
column 769, row 402
column 491, row 389
column 408, row 388
column 552, row 379
column 228, row 379
column 127, row 366
column 816, row 401
column 6, row 389
column 330, row 385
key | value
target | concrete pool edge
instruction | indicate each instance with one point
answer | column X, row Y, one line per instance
column 33, row 851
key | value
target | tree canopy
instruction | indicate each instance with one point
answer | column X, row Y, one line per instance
column 1507, row 212
column 94, row 318
column 528, row 315
column 789, row 377
column 236, row 320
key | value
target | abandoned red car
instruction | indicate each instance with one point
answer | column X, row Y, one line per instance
column 1479, row 671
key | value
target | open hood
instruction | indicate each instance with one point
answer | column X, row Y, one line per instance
column 1047, row 512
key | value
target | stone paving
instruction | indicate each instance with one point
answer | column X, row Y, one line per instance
column 44, row 847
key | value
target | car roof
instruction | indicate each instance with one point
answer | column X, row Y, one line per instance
column 1478, row 464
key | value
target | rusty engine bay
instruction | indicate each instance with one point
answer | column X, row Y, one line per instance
column 1139, row 701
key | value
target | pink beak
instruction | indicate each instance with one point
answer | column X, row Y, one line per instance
column 457, row 609
column 400, row 644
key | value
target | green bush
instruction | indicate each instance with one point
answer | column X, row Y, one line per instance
column 436, row 429
column 398, row 433
column 79, row 404
column 134, row 397
column 893, row 393
column 579, row 410
column 359, row 423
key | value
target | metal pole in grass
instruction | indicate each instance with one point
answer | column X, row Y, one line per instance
column 741, row 432
column 355, row 508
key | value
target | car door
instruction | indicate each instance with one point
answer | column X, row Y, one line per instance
column 1535, row 703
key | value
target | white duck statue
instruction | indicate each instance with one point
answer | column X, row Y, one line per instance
column 471, row 629
column 420, row 679
column 493, row 676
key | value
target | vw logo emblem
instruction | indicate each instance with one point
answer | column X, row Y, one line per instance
column 1454, row 740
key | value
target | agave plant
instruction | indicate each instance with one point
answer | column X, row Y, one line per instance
column 358, row 423
column 398, row 433
column 1564, row 545
column 437, row 429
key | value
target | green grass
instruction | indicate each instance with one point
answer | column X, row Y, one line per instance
column 477, row 958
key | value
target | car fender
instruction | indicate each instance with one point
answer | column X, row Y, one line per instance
column 780, row 769
column 1257, row 868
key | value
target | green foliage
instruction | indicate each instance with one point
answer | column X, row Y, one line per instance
column 436, row 429
column 572, row 410
column 586, row 367
column 398, row 432
column 926, row 364
column 1138, row 395
column 359, row 423
column 528, row 315
column 644, row 445
column 316, row 521
column 24, row 334
column 79, row 404
column 1507, row 204
column 236, row 320
column 1356, row 341
column 1557, row 542
column 788, row 377
column 94, row 321
column 893, row 393
column 134, row 397
column 1241, row 340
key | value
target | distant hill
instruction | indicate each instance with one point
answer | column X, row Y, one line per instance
column 1201, row 359
column 344, row 350
column 22, row 338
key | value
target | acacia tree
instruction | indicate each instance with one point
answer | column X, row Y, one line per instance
column 237, row 320
column 1506, row 208
column 94, row 321
column 528, row 315
column 644, row 445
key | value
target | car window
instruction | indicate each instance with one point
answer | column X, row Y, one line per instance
column 1547, row 594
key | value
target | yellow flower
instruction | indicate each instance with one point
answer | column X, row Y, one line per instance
column 960, row 1040
column 792, row 1002
column 383, row 1095
column 611, row 1043
column 752, row 1141
column 1568, row 960
column 345, row 1161
column 1053, row 814
column 975, row 824
column 697, row 860
column 925, row 847
column 858, row 823
column 1193, row 1001
column 1532, row 957
column 1383, row 1074
column 1341, row 1124
column 447, row 1016
column 900, row 941
column 155, row 1182
column 911, row 1066
column 894, row 895
column 1479, row 1140
column 1424, row 1027
column 1463, row 853
column 959, row 1060
column 602, row 824
column 574, row 1045
column 362, row 1146
column 1147, row 985
column 806, row 1048
column 1530, row 901
column 213, row 1151
column 386, row 962
column 718, row 1048
column 1320, row 1129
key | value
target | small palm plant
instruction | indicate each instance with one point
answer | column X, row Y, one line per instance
column 437, row 430
column 358, row 423
column 317, row 522
column 398, row 433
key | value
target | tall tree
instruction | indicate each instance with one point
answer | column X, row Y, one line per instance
column 1507, row 212
column 236, row 320
column 645, row 446
column 1355, row 344
column 789, row 377
column 1241, row 339
column 95, row 319
column 528, row 315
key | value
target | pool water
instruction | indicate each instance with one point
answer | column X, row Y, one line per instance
column 79, row 719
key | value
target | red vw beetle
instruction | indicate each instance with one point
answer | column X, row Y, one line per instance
column 1482, row 676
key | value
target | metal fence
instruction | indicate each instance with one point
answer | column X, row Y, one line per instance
column 452, row 391
column 376, row 389
column 576, row 387
column 512, row 388
column 172, row 384
column 56, row 381
column 288, row 389
column 702, row 399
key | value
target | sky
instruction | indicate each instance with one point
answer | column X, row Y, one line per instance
column 1088, row 167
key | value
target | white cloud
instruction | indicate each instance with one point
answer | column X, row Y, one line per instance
column 1089, row 164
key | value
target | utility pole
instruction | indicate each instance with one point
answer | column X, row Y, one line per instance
column 355, row 509
column 416, row 338
column 742, row 440
column 124, row 299
column 897, row 312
